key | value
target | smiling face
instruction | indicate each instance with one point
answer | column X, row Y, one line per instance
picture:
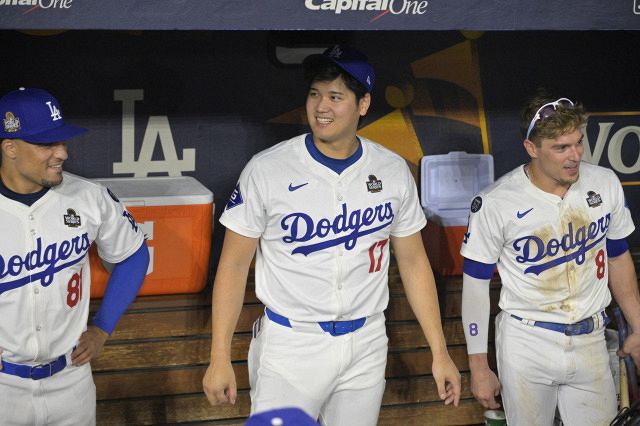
column 333, row 113
column 555, row 164
column 27, row 168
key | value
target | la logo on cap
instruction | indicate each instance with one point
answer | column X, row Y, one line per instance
column 11, row 122
column 55, row 112
column 34, row 115
column 336, row 52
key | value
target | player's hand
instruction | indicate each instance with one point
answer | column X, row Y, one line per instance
column 631, row 347
column 89, row 346
column 485, row 386
column 219, row 383
column 447, row 379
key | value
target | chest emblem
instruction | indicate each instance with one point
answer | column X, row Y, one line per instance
column 71, row 219
column 593, row 199
column 373, row 184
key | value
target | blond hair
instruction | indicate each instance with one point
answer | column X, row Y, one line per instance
column 565, row 120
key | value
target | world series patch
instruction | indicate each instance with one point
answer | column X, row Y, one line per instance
column 11, row 122
column 71, row 219
column 373, row 184
column 593, row 199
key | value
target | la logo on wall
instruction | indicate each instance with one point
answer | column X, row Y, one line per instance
column 158, row 129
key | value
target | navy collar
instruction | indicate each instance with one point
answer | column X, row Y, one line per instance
column 335, row 164
column 26, row 199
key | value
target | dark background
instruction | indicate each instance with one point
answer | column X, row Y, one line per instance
column 223, row 91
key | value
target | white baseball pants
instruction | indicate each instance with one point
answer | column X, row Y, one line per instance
column 67, row 398
column 540, row 369
column 336, row 379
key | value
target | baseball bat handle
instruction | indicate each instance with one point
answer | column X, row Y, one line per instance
column 624, row 386
column 630, row 368
column 632, row 379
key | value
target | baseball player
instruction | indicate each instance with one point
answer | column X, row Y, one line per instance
column 48, row 221
column 555, row 227
column 320, row 211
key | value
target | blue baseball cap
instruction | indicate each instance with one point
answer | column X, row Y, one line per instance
column 289, row 416
column 354, row 62
column 34, row 116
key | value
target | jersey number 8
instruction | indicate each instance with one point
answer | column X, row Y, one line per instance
column 74, row 289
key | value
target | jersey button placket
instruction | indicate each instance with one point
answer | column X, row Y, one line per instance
column 37, row 299
column 339, row 188
column 340, row 248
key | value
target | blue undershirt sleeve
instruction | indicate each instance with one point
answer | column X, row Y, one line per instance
column 616, row 247
column 123, row 286
column 479, row 270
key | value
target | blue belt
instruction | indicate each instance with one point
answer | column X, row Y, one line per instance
column 585, row 326
column 335, row 328
column 35, row 372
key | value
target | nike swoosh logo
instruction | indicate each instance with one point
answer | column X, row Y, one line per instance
column 524, row 213
column 293, row 188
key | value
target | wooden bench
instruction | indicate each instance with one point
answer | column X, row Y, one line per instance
column 152, row 366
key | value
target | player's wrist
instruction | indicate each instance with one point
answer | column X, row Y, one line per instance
column 100, row 329
column 634, row 324
column 478, row 362
column 439, row 352
column 218, row 357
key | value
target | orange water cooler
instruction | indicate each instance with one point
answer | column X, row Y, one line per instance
column 176, row 216
column 448, row 183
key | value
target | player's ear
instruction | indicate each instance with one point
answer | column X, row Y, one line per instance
column 531, row 148
column 8, row 147
column 363, row 104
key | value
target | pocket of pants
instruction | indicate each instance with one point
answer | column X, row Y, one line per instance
column 10, row 400
column 85, row 388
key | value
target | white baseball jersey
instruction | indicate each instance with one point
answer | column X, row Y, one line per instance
column 44, row 265
column 551, row 251
column 324, row 237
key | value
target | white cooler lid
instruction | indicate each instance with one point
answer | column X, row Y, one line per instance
column 158, row 191
column 449, row 181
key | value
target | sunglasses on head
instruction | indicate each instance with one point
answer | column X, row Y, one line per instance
column 546, row 111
